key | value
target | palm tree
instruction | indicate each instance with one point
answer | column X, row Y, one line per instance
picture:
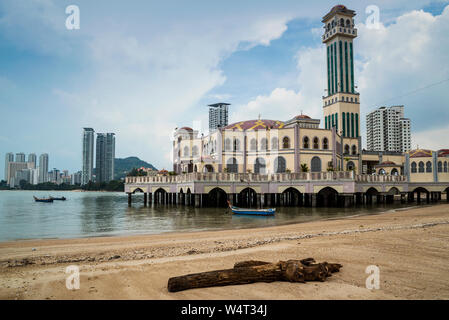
column 304, row 168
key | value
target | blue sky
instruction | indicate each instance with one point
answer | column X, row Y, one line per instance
column 142, row 68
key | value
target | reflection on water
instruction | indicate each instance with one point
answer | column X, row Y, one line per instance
column 87, row 214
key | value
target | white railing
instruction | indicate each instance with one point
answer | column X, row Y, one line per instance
column 252, row 177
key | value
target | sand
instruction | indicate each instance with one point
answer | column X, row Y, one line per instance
column 410, row 247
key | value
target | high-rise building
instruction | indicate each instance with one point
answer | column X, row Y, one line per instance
column 342, row 102
column 8, row 158
column 76, row 178
column 105, row 154
column 43, row 168
column 20, row 157
column 13, row 167
column 218, row 116
column 32, row 160
column 88, row 155
column 388, row 130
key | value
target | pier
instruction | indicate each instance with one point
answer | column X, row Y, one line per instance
column 333, row 189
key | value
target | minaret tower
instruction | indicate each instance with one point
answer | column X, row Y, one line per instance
column 342, row 102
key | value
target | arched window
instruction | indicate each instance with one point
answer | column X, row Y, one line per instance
column 328, row 26
column 445, row 166
column 315, row 165
column 186, row 151
column 274, row 143
column 342, row 22
column 232, row 165
column 316, row 143
column 236, row 145
column 348, row 23
column 440, row 166
column 259, row 166
column 228, row 144
column 286, row 143
column 429, row 166
column 414, row 167
column 280, row 165
column 325, row 144
column 346, row 149
column 305, row 143
column 253, row 145
column 354, row 150
column 382, row 172
column 421, row 167
column 264, row 144
column 394, row 172
column 195, row 151
column 350, row 166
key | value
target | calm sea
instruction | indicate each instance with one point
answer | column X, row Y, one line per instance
column 92, row 214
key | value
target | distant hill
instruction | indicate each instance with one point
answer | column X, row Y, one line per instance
column 123, row 166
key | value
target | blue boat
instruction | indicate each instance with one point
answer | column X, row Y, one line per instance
column 257, row 212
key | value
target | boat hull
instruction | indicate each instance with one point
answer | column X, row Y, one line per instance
column 263, row 212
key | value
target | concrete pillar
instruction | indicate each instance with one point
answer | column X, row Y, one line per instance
column 258, row 201
column 262, row 200
column 129, row 199
column 145, row 199
column 313, row 200
column 150, row 198
column 197, row 200
column 269, row 199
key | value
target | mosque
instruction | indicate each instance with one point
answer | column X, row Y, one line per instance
column 302, row 144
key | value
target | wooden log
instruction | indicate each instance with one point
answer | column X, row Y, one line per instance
column 256, row 271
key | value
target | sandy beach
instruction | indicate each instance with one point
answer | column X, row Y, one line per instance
column 410, row 246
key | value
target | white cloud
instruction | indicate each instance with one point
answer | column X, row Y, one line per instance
column 434, row 139
column 392, row 61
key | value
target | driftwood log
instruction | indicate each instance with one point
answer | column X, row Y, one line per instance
column 256, row 271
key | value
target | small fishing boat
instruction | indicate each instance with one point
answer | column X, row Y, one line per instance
column 60, row 199
column 258, row 212
column 43, row 200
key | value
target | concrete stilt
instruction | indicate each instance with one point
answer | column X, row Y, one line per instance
column 129, row 199
column 145, row 199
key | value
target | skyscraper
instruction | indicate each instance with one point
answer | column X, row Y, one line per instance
column 88, row 155
column 32, row 161
column 388, row 130
column 20, row 157
column 43, row 168
column 105, row 155
column 8, row 158
column 218, row 116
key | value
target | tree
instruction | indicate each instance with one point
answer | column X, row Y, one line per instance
column 304, row 167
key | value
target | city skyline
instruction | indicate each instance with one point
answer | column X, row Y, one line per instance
column 273, row 71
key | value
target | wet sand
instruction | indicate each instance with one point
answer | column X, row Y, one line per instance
column 411, row 248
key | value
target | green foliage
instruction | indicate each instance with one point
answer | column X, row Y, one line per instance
column 50, row 186
column 136, row 173
column 114, row 185
column 304, row 167
column 123, row 166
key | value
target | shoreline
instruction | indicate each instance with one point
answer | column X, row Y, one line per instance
column 361, row 214
column 410, row 246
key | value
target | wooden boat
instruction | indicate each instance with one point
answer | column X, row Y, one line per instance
column 43, row 200
column 61, row 199
column 258, row 212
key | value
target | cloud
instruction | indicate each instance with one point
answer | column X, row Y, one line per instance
column 391, row 63
column 434, row 139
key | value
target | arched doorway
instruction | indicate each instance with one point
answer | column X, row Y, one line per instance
column 370, row 193
column 394, row 172
column 315, row 165
column 160, row 196
column 208, row 168
column 327, row 197
column 260, row 166
column 350, row 166
column 391, row 193
column 291, row 197
column 280, row 165
column 419, row 192
column 217, row 198
column 247, row 198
